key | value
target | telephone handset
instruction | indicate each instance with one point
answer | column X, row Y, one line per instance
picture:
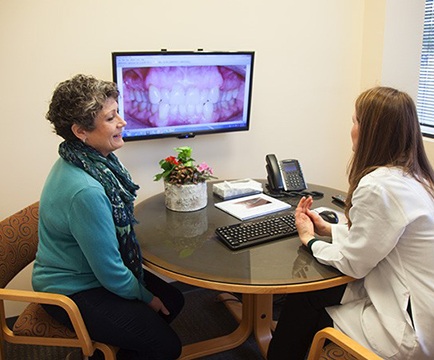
column 285, row 175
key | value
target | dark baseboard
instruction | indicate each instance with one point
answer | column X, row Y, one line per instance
column 185, row 287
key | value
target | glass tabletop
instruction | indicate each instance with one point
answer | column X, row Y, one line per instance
column 185, row 243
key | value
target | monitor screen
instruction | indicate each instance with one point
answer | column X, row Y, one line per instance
column 183, row 94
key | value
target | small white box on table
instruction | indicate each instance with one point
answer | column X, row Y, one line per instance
column 237, row 188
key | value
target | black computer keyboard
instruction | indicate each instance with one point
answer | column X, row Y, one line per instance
column 251, row 233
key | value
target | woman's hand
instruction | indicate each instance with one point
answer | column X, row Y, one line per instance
column 303, row 221
column 309, row 222
column 157, row 305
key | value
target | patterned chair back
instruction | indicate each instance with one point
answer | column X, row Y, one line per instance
column 18, row 242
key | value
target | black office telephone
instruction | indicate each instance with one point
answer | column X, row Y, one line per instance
column 285, row 175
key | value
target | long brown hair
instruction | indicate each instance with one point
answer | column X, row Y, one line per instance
column 389, row 135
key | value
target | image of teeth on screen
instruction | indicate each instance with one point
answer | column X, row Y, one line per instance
column 176, row 94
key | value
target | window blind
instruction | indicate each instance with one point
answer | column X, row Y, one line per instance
column 425, row 96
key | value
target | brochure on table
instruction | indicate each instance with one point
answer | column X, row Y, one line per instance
column 249, row 207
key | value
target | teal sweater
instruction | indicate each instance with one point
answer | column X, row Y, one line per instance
column 78, row 248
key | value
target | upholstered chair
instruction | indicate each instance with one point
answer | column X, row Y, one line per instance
column 18, row 245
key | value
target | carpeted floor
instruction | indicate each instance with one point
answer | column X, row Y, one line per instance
column 203, row 317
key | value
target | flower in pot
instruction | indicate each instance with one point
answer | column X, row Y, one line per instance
column 184, row 181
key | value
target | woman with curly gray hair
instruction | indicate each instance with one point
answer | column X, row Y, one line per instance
column 87, row 246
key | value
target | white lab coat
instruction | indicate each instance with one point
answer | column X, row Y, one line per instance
column 390, row 250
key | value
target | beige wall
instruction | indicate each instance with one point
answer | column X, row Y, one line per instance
column 312, row 59
column 402, row 48
column 307, row 73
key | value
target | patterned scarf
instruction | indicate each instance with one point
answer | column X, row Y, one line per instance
column 120, row 190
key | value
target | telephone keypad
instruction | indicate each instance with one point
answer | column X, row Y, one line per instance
column 293, row 180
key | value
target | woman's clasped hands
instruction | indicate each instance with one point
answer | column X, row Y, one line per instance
column 308, row 222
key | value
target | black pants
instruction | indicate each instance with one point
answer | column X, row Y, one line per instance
column 303, row 314
column 140, row 332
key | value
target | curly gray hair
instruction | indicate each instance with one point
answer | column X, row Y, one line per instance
column 78, row 101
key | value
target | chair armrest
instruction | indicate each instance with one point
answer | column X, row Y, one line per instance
column 345, row 342
column 52, row 299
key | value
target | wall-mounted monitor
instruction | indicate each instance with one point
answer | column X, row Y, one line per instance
column 183, row 94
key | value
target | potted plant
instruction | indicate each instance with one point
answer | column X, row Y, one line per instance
column 184, row 181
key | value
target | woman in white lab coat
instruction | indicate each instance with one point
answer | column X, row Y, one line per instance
column 388, row 245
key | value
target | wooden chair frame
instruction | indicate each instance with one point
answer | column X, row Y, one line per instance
column 343, row 341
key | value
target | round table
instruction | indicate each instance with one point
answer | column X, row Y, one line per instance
column 184, row 247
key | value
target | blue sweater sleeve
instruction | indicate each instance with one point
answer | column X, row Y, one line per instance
column 91, row 224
